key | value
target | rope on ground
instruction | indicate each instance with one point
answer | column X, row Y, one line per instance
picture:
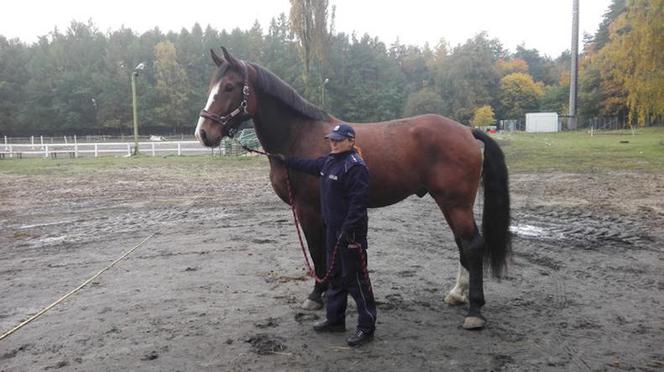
column 49, row 307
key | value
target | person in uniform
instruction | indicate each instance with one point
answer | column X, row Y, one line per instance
column 344, row 193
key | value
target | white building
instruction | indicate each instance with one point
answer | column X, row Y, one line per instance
column 542, row 122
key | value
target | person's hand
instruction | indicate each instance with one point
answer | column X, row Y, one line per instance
column 279, row 158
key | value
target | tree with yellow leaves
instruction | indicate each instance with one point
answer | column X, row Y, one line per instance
column 634, row 56
column 518, row 94
column 483, row 116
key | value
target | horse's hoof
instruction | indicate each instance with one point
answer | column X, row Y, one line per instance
column 455, row 299
column 311, row 305
column 473, row 322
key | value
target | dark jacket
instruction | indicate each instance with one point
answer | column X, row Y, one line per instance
column 344, row 190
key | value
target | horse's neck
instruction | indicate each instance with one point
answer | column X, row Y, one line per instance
column 277, row 127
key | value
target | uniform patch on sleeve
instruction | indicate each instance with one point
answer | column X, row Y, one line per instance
column 332, row 177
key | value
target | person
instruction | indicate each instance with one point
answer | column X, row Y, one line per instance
column 344, row 193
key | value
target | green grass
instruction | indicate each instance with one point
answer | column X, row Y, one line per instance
column 576, row 152
column 87, row 165
column 579, row 152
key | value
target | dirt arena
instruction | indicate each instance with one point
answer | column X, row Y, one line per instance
column 218, row 287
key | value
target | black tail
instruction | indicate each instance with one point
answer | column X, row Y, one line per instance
column 496, row 214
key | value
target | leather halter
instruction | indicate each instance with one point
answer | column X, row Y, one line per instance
column 226, row 121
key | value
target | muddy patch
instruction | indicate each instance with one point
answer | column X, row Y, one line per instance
column 266, row 344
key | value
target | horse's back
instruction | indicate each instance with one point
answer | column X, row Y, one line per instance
column 428, row 153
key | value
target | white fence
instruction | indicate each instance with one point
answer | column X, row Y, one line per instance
column 75, row 150
column 156, row 147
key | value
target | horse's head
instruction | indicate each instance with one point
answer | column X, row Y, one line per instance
column 228, row 100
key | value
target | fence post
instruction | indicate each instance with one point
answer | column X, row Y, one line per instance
column 75, row 150
column 128, row 149
column 41, row 138
column 46, row 151
column 153, row 149
column 179, row 150
column 96, row 150
column 11, row 150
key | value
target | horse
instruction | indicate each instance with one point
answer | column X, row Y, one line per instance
column 427, row 154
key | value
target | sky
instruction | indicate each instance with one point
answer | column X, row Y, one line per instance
column 544, row 25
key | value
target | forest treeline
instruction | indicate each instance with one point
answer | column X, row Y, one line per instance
column 77, row 81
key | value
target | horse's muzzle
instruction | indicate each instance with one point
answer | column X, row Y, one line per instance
column 206, row 139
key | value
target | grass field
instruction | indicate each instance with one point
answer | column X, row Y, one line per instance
column 576, row 152
column 579, row 152
column 188, row 164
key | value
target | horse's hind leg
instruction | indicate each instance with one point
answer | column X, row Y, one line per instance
column 312, row 225
column 458, row 294
column 470, row 245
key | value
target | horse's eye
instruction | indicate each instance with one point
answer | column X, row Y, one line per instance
column 228, row 88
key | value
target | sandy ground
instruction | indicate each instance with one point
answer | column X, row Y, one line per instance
column 219, row 285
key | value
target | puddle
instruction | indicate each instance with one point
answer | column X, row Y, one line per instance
column 44, row 224
column 531, row 231
column 53, row 240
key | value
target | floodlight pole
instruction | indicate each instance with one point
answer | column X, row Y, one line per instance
column 574, row 70
column 134, row 108
column 322, row 93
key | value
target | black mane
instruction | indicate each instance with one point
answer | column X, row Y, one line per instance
column 271, row 84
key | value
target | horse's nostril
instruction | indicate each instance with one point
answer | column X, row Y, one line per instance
column 201, row 133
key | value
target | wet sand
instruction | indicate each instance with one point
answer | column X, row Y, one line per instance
column 219, row 285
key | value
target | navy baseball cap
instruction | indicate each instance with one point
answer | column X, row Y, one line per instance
column 341, row 132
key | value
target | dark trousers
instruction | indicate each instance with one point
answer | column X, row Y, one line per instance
column 350, row 276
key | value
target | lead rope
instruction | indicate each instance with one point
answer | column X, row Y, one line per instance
column 291, row 200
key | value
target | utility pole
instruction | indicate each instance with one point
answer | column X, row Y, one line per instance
column 574, row 70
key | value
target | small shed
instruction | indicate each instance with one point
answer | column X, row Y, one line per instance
column 542, row 122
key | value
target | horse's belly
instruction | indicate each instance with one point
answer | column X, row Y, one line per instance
column 381, row 198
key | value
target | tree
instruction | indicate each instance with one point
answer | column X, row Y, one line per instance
column 308, row 20
column 634, row 57
column 172, row 87
column 509, row 66
column 539, row 67
column 483, row 116
column 13, row 74
column 518, row 94
column 468, row 77
column 424, row 101
column 601, row 37
column 366, row 85
column 414, row 63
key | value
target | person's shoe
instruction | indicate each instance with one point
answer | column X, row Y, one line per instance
column 360, row 337
column 327, row 326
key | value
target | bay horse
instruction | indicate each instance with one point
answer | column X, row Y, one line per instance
column 427, row 154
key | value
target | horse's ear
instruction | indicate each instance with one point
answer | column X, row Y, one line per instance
column 217, row 60
column 230, row 58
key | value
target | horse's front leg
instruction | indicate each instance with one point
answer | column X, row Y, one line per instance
column 312, row 225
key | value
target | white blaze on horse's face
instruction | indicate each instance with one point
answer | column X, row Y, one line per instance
column 213, row 92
